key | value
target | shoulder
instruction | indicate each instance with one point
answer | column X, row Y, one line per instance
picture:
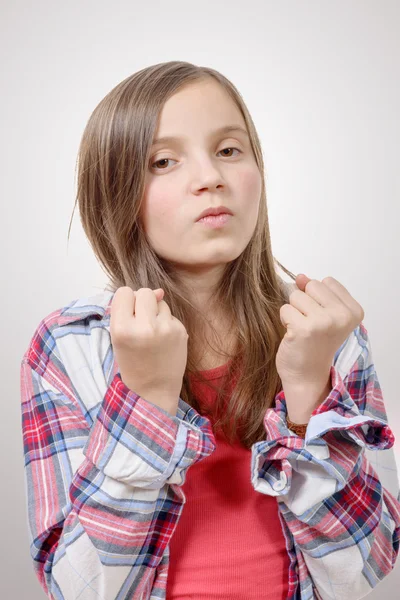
column 84, row 308
column 70, row 322
column 71, row 350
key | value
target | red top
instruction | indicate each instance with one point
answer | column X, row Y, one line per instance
column 228, row 543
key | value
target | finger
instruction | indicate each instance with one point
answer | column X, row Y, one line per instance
column 291, row 318
column 323, row 294
column 159, row 292
column 304, row 302
column 146, row 306
column 122, row 307
column 341, row 292
column 164, row 310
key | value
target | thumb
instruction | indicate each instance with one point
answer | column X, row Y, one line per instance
column 159, row 292
column 301, row 281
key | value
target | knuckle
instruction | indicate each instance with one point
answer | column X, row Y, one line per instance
column 163, row 328
column 328, row 322
column 184, row 332
column 360, row 313
column 144, row 331
column 312, row 284
column 328, row 279
column 306, row 332
column 119, row 334
column 179, row 326
column 344, row 319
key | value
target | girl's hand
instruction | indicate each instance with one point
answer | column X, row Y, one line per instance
column 319, row 318
column 150, row 345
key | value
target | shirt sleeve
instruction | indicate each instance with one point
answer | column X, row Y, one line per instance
column 344, row 523
column 100, row 507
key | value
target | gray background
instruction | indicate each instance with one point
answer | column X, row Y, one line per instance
column 321, row 80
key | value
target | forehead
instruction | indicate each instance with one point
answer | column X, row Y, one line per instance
column 225, row 130
column 201, row 108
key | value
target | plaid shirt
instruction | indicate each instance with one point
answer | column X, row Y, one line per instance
column 104, row 469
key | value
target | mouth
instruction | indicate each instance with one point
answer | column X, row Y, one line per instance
column 215, row 221
column 214, row 211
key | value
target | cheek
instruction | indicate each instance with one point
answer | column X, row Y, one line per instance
column 158, row 211
column 249, row 185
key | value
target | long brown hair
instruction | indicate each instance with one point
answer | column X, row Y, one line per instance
column 113, row 158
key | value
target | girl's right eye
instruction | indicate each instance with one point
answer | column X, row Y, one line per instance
column 160, row 160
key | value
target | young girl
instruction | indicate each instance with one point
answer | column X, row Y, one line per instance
column 201, row 428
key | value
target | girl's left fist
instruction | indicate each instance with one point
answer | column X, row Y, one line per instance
column 320, row 317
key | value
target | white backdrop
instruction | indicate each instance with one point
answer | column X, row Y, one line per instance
column 321, row 80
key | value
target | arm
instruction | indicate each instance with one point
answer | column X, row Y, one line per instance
column 344, row 523
column 100, row 506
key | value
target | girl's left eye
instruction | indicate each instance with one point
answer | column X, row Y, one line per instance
column 168, row 159
column 229, row 148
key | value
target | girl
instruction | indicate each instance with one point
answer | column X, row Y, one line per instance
column 199, row 355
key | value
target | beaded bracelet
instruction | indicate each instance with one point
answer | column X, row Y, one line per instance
column 298, row 429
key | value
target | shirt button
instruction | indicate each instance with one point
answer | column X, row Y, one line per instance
column 278, row 486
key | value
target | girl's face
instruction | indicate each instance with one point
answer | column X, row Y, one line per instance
column 199, row 168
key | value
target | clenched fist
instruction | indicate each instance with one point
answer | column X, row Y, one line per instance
column 150, row 345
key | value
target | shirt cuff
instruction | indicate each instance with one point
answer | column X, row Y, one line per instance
column 273, row 460
column 141, row 444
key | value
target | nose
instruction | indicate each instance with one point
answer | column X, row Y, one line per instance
column 207, row 177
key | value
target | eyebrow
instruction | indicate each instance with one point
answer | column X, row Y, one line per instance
column 226, row 129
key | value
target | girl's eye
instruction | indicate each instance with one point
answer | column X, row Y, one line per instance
column 160, row 160
column 164, row 160
column 230, row 149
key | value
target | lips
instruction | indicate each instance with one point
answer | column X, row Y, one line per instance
column 219, row 210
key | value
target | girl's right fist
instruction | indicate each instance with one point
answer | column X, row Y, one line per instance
column 150, row 345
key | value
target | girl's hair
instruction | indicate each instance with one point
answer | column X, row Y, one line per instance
column 113, row 158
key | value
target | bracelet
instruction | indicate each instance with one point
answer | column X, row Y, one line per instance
column 298, row 429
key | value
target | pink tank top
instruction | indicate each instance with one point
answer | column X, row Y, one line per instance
column 228, row 543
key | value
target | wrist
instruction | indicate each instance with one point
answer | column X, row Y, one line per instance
column 302, row 400
column 159, row 398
